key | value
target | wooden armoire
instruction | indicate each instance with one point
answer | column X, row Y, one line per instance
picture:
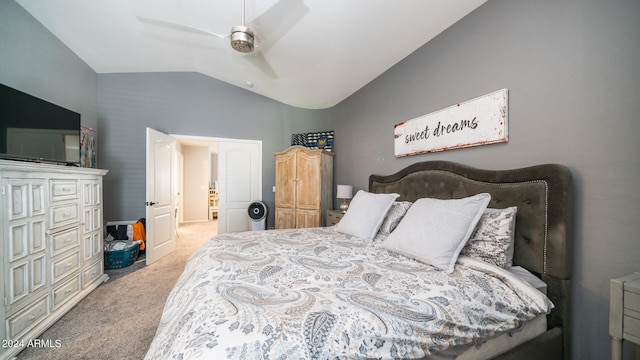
column 304, row 187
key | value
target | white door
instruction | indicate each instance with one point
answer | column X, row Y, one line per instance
column 160, row 202
column 240, row 181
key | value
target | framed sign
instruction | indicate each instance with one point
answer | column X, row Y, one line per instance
column 480, row 121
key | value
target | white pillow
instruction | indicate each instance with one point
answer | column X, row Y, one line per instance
column 434, row 231
column 365, row 214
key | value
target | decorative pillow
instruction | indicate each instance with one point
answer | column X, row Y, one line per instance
column 365, row 214
column 395, row 214
column 493, row 239
column 434, row 231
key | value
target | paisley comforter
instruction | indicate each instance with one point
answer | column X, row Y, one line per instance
column 318, row 294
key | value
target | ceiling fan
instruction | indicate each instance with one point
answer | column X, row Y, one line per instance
column 281, row 16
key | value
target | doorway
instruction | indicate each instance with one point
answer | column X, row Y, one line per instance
column 229, row 170
column 239, row 184
column 197, row 180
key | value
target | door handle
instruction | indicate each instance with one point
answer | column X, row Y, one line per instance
column 150, row 203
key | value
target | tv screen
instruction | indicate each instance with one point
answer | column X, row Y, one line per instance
column 36, row 130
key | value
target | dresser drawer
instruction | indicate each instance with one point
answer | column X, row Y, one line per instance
column 92, row 273
column 63, row 215
column 632, row 329
column 632, row 301
column 26, row 319
column 63, row 189
column 333, row 217
column 66, row 291
column 64, row 266
column 65, row 240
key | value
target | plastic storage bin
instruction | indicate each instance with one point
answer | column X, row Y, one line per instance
column 116, row 259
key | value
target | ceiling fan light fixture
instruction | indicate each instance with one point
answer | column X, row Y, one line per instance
column 242, row 39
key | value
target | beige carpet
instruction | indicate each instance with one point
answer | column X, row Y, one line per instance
column 119, row 319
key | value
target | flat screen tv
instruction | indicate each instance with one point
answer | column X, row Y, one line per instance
column 33, row 129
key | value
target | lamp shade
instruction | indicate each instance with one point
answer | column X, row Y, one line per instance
column 345, row 192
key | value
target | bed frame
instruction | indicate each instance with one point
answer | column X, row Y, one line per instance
column 543, row 235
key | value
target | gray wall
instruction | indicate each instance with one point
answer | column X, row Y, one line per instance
column 572, row 68
column 33, row 61
column 185, row 104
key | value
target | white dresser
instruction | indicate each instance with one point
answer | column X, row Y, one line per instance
column 624, row 314
column 52, row 256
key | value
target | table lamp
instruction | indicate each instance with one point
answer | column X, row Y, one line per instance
column 344, row 192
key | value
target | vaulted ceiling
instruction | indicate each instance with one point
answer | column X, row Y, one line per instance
column 309, row 53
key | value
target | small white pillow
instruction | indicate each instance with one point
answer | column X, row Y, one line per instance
column 365, row 214
column 434, row 231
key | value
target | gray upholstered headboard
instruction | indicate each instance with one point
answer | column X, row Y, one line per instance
column 544, row 221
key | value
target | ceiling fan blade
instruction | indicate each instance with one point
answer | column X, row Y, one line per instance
column 258, row 62
column 182, row 27
column 279, row 19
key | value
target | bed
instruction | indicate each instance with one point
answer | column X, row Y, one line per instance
column 347, row 293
